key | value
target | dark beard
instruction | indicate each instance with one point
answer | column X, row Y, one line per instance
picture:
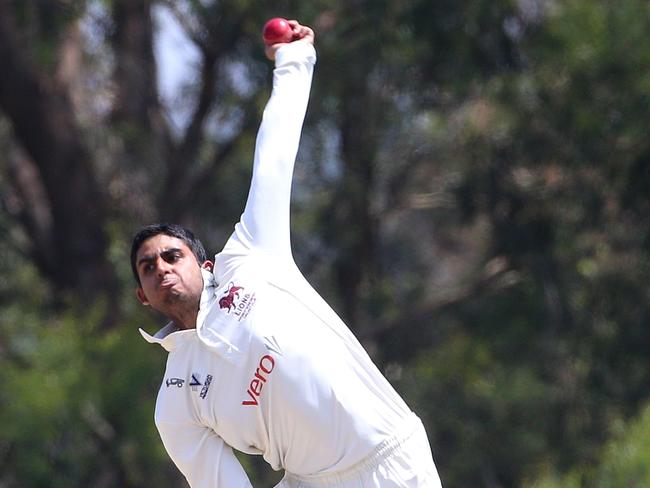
column 180, row 305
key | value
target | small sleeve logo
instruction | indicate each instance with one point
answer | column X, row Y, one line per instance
column 175, row 382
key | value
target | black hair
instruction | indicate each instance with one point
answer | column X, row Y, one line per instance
column 172, row 230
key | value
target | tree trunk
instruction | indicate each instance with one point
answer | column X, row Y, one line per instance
column 42, row 116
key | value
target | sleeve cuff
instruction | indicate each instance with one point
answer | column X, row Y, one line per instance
column 295, row 51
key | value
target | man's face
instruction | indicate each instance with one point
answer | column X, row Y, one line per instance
column 170, row 277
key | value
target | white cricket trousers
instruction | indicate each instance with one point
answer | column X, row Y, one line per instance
column 402, row 461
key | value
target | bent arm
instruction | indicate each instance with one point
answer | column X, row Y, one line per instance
column 264, row 225
column 202, row 456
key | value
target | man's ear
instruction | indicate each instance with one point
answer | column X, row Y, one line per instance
column 209, row 265
column 139, row 292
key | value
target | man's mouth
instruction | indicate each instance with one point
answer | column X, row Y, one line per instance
column 167, row 283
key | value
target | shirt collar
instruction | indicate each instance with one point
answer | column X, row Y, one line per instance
column 168, row 337
column 219, row 331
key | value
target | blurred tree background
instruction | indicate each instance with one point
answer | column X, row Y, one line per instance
column 472, row 195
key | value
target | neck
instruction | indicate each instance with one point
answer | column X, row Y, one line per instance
column 184, row 318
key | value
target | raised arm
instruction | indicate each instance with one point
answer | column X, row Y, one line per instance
column 264, row 225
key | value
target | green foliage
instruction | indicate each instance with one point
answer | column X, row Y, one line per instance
column 623, row 461
column 478, row 408
column 76, row 404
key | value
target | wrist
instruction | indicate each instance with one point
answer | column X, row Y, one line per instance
column 295, row 51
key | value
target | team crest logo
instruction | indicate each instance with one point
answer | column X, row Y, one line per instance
column 228, row 300
column 238, row 302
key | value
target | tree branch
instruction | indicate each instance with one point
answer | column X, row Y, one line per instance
column 413, row 328
column 33, row 210
column 214, row 43
column 185, row 153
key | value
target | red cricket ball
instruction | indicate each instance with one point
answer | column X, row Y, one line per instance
column 277, row 30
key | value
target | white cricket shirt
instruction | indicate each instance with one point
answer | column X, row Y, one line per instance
column 270, row 369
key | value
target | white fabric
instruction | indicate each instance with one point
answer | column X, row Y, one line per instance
column 402, row 461
column 270, row 369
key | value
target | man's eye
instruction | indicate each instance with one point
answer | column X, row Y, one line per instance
column 172, row 257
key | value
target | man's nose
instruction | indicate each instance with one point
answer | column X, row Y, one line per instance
column 162, row 267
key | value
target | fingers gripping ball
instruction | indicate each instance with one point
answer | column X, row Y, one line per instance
column 277, row 30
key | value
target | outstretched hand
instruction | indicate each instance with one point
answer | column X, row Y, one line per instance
column 301, row 33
